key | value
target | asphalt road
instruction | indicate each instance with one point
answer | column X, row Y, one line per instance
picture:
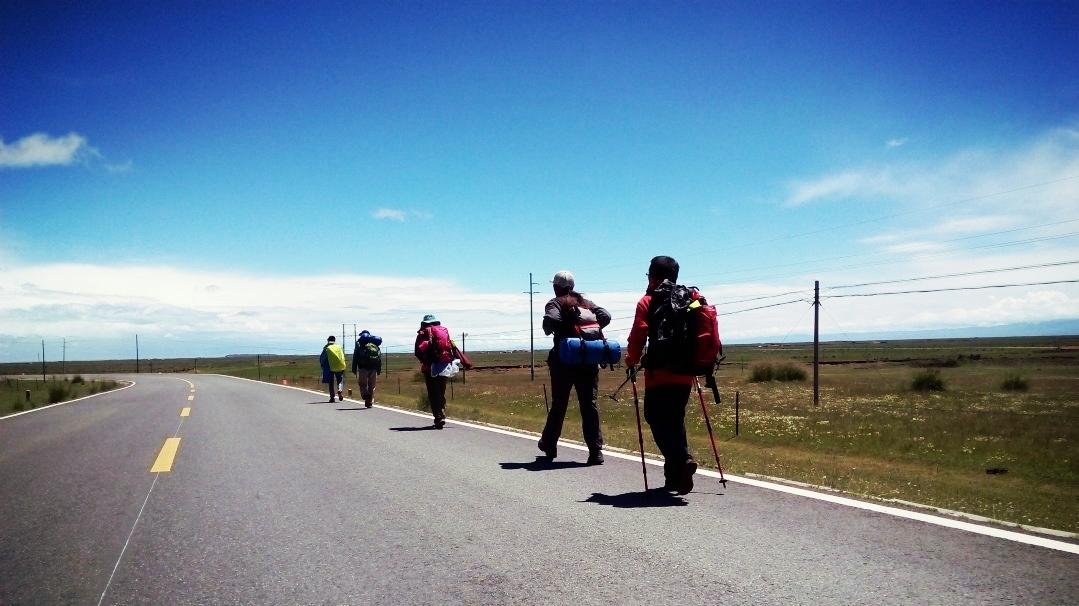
column 277, row 497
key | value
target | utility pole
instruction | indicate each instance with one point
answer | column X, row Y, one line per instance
column 354, row 335
column 258, row 362
column 816, row 342
column 464, row 373
column 531, row 327
column 136, row 353
column 43, row 360
column 63, row 360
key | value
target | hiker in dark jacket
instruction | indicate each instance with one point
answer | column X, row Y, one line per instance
column 560, row 317
column 436, row 352
column 367, row 365
column 666, row 393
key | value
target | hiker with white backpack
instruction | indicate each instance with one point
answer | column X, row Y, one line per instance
column 574, row 320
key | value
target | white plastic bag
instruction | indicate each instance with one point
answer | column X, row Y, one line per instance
column 446, row 369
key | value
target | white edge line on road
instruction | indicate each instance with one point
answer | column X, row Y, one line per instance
column 792, row 490
column 93, row 395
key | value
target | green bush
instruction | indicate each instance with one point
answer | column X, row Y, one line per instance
column 77, row 380
column 761, row 374
column 783, row 372
column 1015, row 382
column 423, row 402
column 927, row 380
column 58, row 393
column 789, row 372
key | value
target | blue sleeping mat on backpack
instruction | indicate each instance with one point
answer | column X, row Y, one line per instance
column 579, row 351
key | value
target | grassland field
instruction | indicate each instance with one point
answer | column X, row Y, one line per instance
column 871, row 434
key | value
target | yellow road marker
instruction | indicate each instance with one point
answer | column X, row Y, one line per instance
column 166, row 456
column 189, row 398
column 186, row 411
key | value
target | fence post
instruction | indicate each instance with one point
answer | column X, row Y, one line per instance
column 737, row 413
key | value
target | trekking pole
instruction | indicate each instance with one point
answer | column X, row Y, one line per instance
column 545, row 405
column 640, row 433
column 708, row 424
column 614, row 396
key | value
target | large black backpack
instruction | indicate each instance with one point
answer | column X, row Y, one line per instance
column 683, row 335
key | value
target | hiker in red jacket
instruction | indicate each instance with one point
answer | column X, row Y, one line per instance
column 436, row 353
column 666, row 393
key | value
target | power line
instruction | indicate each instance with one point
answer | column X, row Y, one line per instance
column 957, row 275
column 906, row 292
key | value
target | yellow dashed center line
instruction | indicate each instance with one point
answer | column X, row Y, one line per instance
column 185, row 411
column 166, row 456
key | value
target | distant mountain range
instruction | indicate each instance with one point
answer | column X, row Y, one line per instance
column 1051, row 328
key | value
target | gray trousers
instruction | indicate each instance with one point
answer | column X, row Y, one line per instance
column 367, row 378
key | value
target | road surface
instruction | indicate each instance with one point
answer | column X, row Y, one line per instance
column 276, row 497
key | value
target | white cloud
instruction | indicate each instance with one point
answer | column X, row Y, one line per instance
column 396, row 214
column 389, row 213
column 862, row 184
column 1040, row 174
column 39, row 149
column 898, row 142
column 122, row 167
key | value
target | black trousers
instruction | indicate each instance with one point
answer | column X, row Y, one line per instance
column 665, row 411
column 436, row 394
column 585, row 379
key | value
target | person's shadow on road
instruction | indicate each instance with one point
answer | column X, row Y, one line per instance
column 424, row 428
column 543, row 464
column 652, row 498
column 357, row 408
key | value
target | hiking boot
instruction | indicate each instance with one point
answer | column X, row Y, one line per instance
column 332, row 400
column 440, row 424
column 550, row 451
column 340, row 396
column 368, row 404
column 685, row 482
column 594, row 458
column 669, row 485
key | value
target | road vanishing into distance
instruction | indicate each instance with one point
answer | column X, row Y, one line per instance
column 268, row 495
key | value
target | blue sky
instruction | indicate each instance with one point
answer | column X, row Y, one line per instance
column 255, row 142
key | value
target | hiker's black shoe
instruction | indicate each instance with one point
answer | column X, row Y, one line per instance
column 440, row 424
column 595, row 458
column 340, row 396
column 685, row 483
column 368, row 404
column 669, row 486
column 550, row 451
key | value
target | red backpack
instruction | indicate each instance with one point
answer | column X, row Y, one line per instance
column 683, row 331
column 440, row 348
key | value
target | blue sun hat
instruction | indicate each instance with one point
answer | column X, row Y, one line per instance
column 429, row 319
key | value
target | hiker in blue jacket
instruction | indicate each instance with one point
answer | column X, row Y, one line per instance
column 332, row 361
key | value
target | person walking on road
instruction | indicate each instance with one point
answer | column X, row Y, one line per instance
column 367, row 365
column 666, row 393
column 564, row 316
column 332, row 361
column 436, row 353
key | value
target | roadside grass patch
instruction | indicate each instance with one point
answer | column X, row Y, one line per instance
column 13, row 392
column 423, row 402
column 927, row 380
column 1015, row 382
column 58, row 393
